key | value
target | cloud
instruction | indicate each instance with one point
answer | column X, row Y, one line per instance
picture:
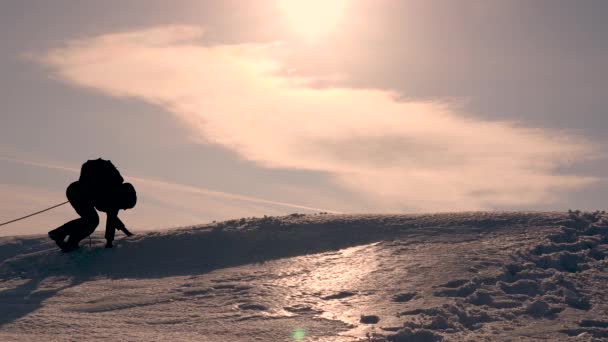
column 161, row 204
column 164, row 187
column 20, row 200
column 40, row 164
column 402, row 155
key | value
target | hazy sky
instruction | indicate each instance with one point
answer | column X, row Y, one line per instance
column 224, row 109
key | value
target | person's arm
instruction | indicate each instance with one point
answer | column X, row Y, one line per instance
column 111, row 223
column 121, row 226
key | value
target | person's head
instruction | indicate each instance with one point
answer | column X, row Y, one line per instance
column 127, row 197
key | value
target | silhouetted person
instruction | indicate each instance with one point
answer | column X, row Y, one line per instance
column 100, row 187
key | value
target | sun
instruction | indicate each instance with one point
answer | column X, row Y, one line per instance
column 312, row 18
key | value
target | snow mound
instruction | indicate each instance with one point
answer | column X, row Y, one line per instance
column 540, row 282
column 467, row 276
column 199, row 249
column 419, row 335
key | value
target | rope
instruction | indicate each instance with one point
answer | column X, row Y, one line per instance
column 36, row 213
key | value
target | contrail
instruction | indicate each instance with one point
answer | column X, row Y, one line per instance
column 177, row 186
column 44, row 165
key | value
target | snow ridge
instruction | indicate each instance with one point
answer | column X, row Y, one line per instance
column 433, row 277
column 563, row 271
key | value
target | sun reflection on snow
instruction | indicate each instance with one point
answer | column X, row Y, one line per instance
column 327, row 281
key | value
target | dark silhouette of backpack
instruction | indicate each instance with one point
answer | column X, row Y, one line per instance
column 100, row 177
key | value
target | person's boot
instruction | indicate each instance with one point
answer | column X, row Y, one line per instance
column 109, row 244
column 55, row 236
column 67, row 247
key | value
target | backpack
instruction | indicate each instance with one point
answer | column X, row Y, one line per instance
column 99, row 174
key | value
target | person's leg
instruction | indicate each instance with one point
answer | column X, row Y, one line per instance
column 60, row 233
column 86, row 227
column 73, row 193
column 111, row 226
column 79, row 229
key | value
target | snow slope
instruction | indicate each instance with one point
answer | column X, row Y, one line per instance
column 493, row 276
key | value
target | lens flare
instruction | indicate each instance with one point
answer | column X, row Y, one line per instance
column 298, row 334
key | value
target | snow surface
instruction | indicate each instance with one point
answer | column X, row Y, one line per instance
column 451, row 277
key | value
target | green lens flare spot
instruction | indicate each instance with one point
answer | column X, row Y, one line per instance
column 298, row 334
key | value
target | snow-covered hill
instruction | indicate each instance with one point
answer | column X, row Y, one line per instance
column 495, row 276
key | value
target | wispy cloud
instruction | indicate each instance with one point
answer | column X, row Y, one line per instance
column 20, row 200
column 40, row 164
column 412, row 155
column 161, row 204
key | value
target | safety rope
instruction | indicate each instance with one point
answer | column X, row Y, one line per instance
column 36, row 213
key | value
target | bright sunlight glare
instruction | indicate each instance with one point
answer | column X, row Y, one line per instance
column 312, row 18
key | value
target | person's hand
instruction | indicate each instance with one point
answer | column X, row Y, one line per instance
column 125, row 230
